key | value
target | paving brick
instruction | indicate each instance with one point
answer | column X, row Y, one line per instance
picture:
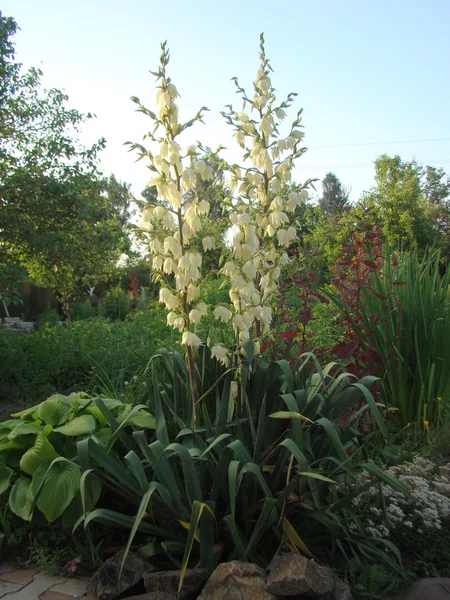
column 40, row 584
column 75, row 588
column 19, row 576
column 8, row 588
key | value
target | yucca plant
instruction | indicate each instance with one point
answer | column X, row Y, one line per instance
column 272, row 466
column 411, row 334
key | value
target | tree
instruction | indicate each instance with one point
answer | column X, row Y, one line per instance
column 58, row 218
column 398, row 201
column 68, row 238
column 335, row 197
column 119, row 198
column 435, row 189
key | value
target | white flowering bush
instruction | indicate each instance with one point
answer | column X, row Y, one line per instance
column 171, row 223
column 425, row 508
column 262, row 216
column 261, row 212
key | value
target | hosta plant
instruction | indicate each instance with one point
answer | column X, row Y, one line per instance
column 38, row 450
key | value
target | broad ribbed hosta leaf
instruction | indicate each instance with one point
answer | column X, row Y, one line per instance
column 54, row 412
column 103, row 436
column 143, row 419
column 20, row 499
column 42, row 451
column 5, row 476
column 25, row 429
column 111, row 403
column 9, row 444
column 78, row 426
column 59, row 487
column 97, row 414
column 11, row 423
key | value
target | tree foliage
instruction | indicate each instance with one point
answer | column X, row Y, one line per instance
column 58, row 218
column 335, row 196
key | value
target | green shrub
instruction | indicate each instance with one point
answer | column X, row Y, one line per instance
column 410, row 318
column 38, row 451
column 115, row 305
column 82, row 310
column 269, row 467
column 92, row 354
column 50, row 317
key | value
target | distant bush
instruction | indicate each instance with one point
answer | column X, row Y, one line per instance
column 88, row 354
column 115, row 304
column 82, row 310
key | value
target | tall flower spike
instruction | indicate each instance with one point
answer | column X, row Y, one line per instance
column 173, row 218
column 264, row 210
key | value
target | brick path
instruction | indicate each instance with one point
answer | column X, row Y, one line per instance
column 30, row 584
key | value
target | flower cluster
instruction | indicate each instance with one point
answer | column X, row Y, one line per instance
column 427, row 505
column 263, row 214
column 176, row 217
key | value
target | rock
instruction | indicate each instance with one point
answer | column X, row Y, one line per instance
column 11, row 320
column 105, row 582
column 25, row 325
column 236, row 581
column 429, row 589
column 341, row 591
column 295, row 575
column 168, row 581
column 154, row 596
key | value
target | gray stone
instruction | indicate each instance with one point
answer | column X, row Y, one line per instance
column 236, row 581
column 295, row 575
column 105, row 582
column 25, row 325
column 341, row 591
column 11, row 320
column 168, row 581
column 155, row 596
column 429, row 589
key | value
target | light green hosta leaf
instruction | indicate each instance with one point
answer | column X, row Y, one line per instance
column 26, row 412
column 111, row 403
column 59, row 486
column 38, row 478
column 5, row 476
column 143, row 419
column 20, row 499
column 78, row 426
column 11, row 423
column 42, row 451
column 54, row 412
column 97, row 414
column 25, row 429
column 8, row 444
column 103, row 436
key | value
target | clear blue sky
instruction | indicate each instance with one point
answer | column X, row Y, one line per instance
column 366, row 72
